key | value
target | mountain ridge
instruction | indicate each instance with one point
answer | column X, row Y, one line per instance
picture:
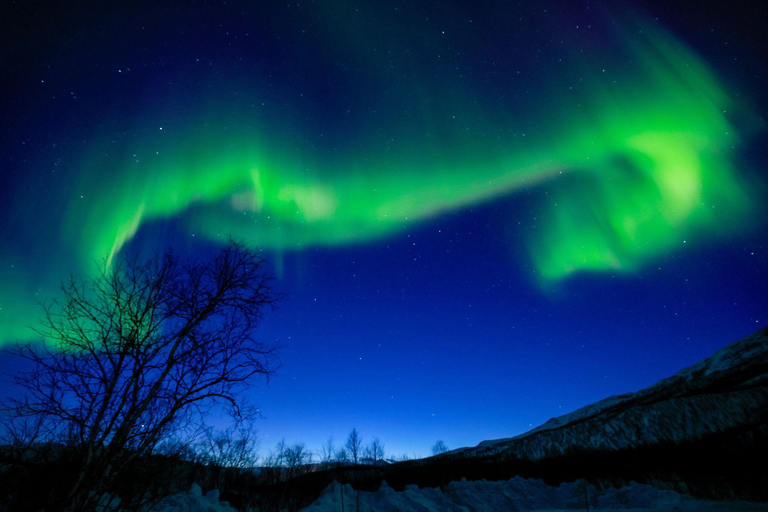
column 701, row 432
column 726, row 390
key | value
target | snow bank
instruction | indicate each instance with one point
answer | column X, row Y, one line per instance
column 518, row 494
column 194, row 501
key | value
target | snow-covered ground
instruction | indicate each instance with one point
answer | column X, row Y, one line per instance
column 191, row 501
column 519, row 494
column 194, row 501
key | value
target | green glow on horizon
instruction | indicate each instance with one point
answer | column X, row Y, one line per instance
column 631, row 169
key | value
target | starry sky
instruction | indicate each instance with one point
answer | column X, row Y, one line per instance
column 483, row 214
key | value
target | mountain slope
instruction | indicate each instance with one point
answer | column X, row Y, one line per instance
column 727, row 391
column 702, row 432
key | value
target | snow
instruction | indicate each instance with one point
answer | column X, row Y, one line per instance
column 194, row 501
column 519, row 494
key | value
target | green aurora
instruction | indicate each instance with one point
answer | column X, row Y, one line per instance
column 630, row 160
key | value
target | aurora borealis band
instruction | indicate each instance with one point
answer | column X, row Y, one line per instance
column 654, row 152
column 595, row 143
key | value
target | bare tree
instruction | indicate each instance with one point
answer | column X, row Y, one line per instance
column 375, row 451
column 280, row 454
column 273, row 463
column 439, row 448
column 327, row 452
column 296, row 457
column 135, row 355
column 341, row 456
column 354, row 445
column 234, row 447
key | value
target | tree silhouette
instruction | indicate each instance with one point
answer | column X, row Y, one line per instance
column 136, row 355
column 375, row 451
column 439, row 448
column 354, row 445
column 327, row 452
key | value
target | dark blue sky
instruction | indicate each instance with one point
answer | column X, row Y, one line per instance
column 438, row 327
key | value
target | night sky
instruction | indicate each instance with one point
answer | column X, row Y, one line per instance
column 482, row 214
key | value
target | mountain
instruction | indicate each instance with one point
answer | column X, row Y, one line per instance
column 727, row 392
column 692, row 441
column 702, row 432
